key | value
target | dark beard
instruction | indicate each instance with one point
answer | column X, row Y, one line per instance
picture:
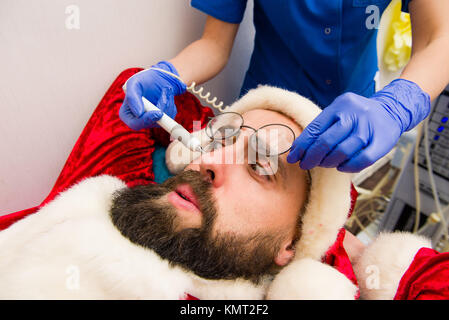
column 140, row 215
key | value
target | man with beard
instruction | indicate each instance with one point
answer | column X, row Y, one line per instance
column 216, row 230
column 221, row 220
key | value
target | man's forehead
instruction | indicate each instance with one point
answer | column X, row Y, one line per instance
column 257, row 118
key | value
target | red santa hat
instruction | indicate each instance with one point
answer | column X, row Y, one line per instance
column 325, row 214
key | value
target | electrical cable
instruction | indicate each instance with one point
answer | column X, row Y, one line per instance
column 432, row 182
column 191, row 88
column 421, row 230
column 367, row 200
column 416, row 179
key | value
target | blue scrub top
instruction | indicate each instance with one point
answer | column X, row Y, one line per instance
column 318, row 48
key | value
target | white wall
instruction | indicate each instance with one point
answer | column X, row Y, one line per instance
column 52, row 78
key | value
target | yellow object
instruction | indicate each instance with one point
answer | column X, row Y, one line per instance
column 398, row 38
column 434, row 218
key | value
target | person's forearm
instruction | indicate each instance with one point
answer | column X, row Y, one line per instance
column 206, row 57
column 200, row 61
column 428, row 66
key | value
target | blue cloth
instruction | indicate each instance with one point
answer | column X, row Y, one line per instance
column 160, row 169
column 318, row 48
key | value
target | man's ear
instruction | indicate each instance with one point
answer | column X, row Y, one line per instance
column 285, row 254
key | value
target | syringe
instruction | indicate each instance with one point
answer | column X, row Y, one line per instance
column 176, row 131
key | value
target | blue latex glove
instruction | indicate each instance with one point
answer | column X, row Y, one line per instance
column 156, row 86
column 353, row 132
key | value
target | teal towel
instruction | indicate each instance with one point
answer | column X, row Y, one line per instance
column 160, row 170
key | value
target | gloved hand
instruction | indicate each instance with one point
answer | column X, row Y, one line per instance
column 156, row 86
column 353, row 132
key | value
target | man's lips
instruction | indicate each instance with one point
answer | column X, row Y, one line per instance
column 184, row 198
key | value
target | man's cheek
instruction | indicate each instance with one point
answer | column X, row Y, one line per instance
column 235, row 208
column 224, row 220
column 230, row 220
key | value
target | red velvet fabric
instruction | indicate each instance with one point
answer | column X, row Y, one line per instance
column 9, row 219
column 108, row 146
column 189, row 297
column 427, row 278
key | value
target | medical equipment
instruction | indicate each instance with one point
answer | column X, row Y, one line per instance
column 176, row 131
column 420, row 200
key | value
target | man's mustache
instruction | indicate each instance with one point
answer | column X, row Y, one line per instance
column 143, row 216
column 201, row 187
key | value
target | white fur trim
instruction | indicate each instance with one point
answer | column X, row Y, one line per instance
column 308, row 279
column 72, row 238
column 238, row 289
column 383, row 263
column 178, row 156
column 329, row 201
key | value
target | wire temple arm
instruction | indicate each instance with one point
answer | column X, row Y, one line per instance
column 199, row 92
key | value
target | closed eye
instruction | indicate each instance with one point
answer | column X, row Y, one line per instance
column 262, row 171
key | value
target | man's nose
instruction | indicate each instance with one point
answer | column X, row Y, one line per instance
column 218, row 164
column 212, row 167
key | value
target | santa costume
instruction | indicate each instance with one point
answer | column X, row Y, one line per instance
column 68, row 248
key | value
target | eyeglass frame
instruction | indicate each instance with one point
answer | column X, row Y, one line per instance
column 211, row 136
column 255, row 130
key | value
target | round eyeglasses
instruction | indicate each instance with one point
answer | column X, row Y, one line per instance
column 269, row 140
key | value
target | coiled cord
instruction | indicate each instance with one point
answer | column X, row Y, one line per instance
column 197, row 91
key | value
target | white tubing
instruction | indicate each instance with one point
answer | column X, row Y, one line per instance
column 177, row 132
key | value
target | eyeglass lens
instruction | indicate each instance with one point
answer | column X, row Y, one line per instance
column 269, row 140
